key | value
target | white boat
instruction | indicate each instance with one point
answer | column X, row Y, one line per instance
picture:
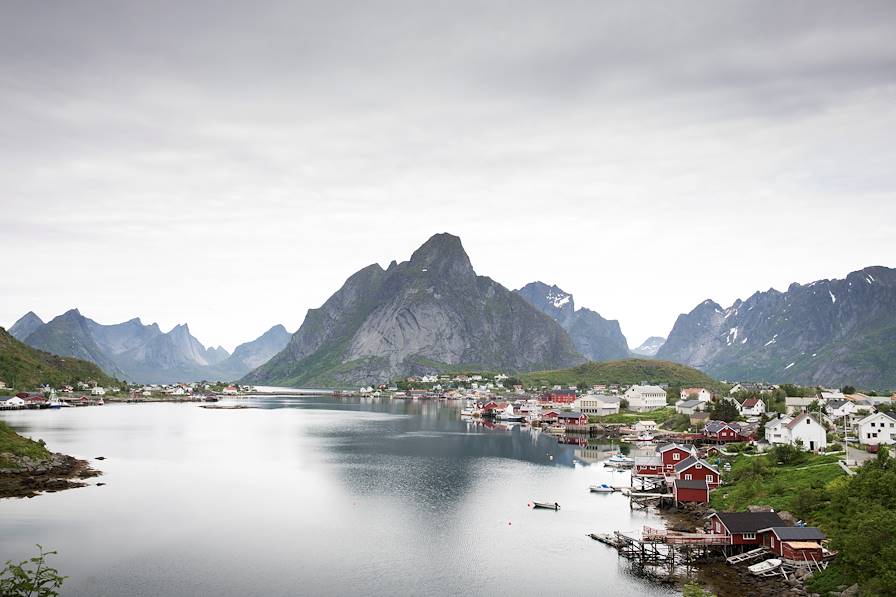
column 644, row 437
column 557, row 429
column 764, row 567
column 508, row 415
column 602, row 488
column 619, row 461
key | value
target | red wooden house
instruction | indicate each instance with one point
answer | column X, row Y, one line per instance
column 559, row 396
column 672, row 454
column 692, row 468
column 572, row 418
column 743, row 528
column 648, row 466
column 690, row 491
column 797, row 544
column 550, row 416
column 720, row 431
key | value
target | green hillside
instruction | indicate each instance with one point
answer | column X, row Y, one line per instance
column 26, row 368
column 626, row 371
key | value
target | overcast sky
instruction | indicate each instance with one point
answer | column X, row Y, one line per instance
column 229, row 166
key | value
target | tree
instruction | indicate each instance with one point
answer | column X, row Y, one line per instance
column 762, row 421
column 848, row 390
column 31, row 578
column 623, row 404
column 724, row 410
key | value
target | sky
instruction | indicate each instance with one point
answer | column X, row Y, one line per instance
column 229, row 164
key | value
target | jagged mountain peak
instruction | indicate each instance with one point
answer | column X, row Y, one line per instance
column 25, row 326
column 442, row 255
column 829, row 332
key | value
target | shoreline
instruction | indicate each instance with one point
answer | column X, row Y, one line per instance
column 32, row 478
column 718, row 576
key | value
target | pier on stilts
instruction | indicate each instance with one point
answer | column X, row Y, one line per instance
column 665, row 549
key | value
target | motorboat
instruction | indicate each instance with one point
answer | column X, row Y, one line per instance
column 765, row 567
column 602, row 488
column 545, row 506
column 644, row 437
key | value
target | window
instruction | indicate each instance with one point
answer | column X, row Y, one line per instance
column 688, row 477
column 698, row 466
column 676, row 456
column 773, row 541
column 749, row 536
column 709, row 478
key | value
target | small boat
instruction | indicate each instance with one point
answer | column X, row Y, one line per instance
column 545, row 506
column 764, row 567
column 556, row 429
column 602, row 488
column 644, row 437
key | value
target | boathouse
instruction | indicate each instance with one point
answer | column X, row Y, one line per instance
column 559, row 397
column 672, row 454
column 800, row 544
column 572, row 418
column 694, row 491
column 743, row 528
column 720, row 431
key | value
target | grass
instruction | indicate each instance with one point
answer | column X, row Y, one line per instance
column 27, row 367
column 13, row 443
column 659, row 415
column 626, row 371
column 760, row 481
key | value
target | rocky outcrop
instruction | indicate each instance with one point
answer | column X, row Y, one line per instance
column 649, row 347
column 829, row 332
column 431, row 313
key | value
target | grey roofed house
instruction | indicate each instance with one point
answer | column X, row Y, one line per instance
column 749, row 522
column 606, row 398
column 689, row 403
column 835, row 404
column 797, row 533
column 716, row 426
column 691, row 460
column 569, row 415
column 686, row 447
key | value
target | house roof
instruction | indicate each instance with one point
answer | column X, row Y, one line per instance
column 570, row 415
column 776, row 421
column 689, row 391
column 749, row 522
column 799, row 400
column 648, row 461
column 689, row 403
column 691, row 483
column 796, row 533
column 715, row 426
column 691, row 461
column 797, row 420
column 750, row 402
column 882, row 414
column 835, row 404
column 673, row 445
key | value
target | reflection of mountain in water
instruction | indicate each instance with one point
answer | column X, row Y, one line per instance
column 428, row 456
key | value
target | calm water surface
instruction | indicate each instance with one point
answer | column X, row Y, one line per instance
column 317, row 496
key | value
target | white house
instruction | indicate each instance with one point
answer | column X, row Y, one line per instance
column 840, row 408
column 752, row 407
column 798, row 404
column 230, row 390
column 644, row 398
column 803, row 429
column 642, row 426
column 2, row 384
column 98, row 391
column 14, row 401
column 831, row 395
column 597, row 404
column 879, row 428
column 701, row 394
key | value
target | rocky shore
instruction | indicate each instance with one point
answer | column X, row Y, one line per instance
column 723, row 579
column 24, row 476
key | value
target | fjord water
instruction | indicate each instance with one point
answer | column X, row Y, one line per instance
column 319, row 496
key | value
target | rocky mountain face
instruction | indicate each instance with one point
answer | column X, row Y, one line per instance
column 25, row 326
column 252, row 355
column 142, row 353
column 596, row 338
column 428, row 314
column 829, row 332
column 650, row 346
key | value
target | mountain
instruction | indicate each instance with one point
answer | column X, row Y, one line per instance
column 256, row 353
column 626, row 371
column 829, row 332
column 650, row 346
column 143, row 353
column 25, row 326
column 26, row 368
column 431, row 313
column 71, row 335
column 598, row 339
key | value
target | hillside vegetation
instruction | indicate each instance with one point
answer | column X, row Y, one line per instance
column 11, row 443
column 26, row 368
column 626, row 371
